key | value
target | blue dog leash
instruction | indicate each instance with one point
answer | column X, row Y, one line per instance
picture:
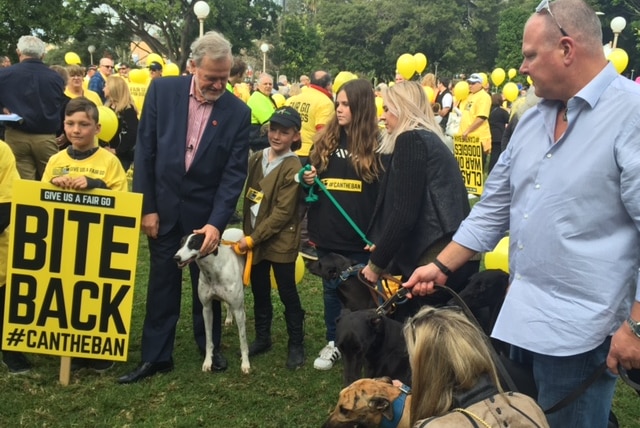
column 312, row 197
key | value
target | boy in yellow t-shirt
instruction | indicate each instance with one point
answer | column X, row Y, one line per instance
column 84, row 165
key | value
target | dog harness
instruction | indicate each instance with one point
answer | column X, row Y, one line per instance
column 398, row 408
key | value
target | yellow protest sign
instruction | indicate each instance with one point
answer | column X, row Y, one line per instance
column 71, row 271
column 468, row 153
column 138, row 92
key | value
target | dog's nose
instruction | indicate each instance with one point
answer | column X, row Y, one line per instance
column 176, row 258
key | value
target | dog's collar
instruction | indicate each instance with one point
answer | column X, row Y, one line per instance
column 350, row 271
column 398, row 408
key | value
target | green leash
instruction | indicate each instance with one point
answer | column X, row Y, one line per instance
column 313, row 197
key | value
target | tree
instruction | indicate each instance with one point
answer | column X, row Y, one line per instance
column 297, row 49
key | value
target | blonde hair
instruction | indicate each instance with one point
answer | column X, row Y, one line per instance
column 119, row 95
column 448, row 353
column 408, row 102
column 429, row 79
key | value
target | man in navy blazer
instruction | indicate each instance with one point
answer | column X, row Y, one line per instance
column 190, row 165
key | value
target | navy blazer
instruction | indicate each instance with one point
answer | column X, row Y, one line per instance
column 208, row 192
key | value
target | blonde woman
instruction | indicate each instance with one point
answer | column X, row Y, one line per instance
column 120, row 101
column 422, row 198
column 454, row 381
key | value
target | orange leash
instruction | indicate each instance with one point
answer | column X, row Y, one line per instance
column 246, row 276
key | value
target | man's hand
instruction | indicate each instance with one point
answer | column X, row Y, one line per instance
column 370, row 275
column 423, row 280
column 625, row 350
column 211, row 239
column 150, row 225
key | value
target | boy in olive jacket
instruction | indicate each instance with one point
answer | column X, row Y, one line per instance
column 272, row 229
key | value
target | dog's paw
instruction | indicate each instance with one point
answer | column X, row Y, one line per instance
column 228, row 321
column 206, row 366
column 246, row 368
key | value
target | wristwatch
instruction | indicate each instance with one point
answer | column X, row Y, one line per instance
column 634, row 325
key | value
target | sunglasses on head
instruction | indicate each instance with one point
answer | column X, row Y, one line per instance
column 544, row 5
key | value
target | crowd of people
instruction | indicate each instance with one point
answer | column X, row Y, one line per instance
column 394, row 176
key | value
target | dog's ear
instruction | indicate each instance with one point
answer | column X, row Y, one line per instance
column 384, row 379
column 383, row 405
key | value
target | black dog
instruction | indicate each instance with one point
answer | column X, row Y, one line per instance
column 353, row 293
column 374, row 343
column 484, row 295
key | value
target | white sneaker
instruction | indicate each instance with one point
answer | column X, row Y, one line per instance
column 328, row 357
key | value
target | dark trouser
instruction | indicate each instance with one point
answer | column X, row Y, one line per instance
column 285, row 275
column 496, row 149
column 163, row 301
column 332, row 304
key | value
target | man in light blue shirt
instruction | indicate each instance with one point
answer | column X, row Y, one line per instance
column 568, row 191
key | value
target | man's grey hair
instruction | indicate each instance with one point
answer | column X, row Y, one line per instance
column 31, row 46
column 213, row 45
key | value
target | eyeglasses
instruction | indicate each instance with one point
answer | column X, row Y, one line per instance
column 544, row 5
column 106, row 66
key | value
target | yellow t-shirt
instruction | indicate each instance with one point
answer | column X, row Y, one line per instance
column 478, row 104
column 8, row 174
column 88, row 94
column 102, row 165
column 316, row 110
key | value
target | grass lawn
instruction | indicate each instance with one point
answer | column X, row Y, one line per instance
column 271, row 396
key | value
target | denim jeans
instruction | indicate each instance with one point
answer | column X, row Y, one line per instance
column 557, row 377
column 332, row 304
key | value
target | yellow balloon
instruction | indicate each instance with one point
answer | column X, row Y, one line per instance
column 510, row 91
column 379, row 104
column 461, row 91
column 485, row 80
column 619, row 58
column 512, row 73
column 342, row 78
column 109, row 123
column 499, row 257
column 154, row 57
column 497, row 76
column 278, row 99
column 430, row 93
column 137, row 75
column 529, row 80
column 299, row 273
column 72, row 58
column 421, row 62
column 171, row 69
column 406, row 66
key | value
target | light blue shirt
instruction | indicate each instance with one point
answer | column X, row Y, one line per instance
column 573, row 213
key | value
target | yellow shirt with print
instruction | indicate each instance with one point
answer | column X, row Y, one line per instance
column 478, row 104
column 102, row 165
column 316, row 110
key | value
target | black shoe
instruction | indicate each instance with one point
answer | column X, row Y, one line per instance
column 295, row 359
column 308, row 251
column 219, row 362
column 146, row 370
column 259, row 346
column 101, row 366
column 16, row 362
column 79, row 363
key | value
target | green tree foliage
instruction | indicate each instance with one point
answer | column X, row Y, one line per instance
column 297, row 49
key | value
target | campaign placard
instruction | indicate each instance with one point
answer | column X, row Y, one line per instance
column 468, row 153
column 71, row 271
